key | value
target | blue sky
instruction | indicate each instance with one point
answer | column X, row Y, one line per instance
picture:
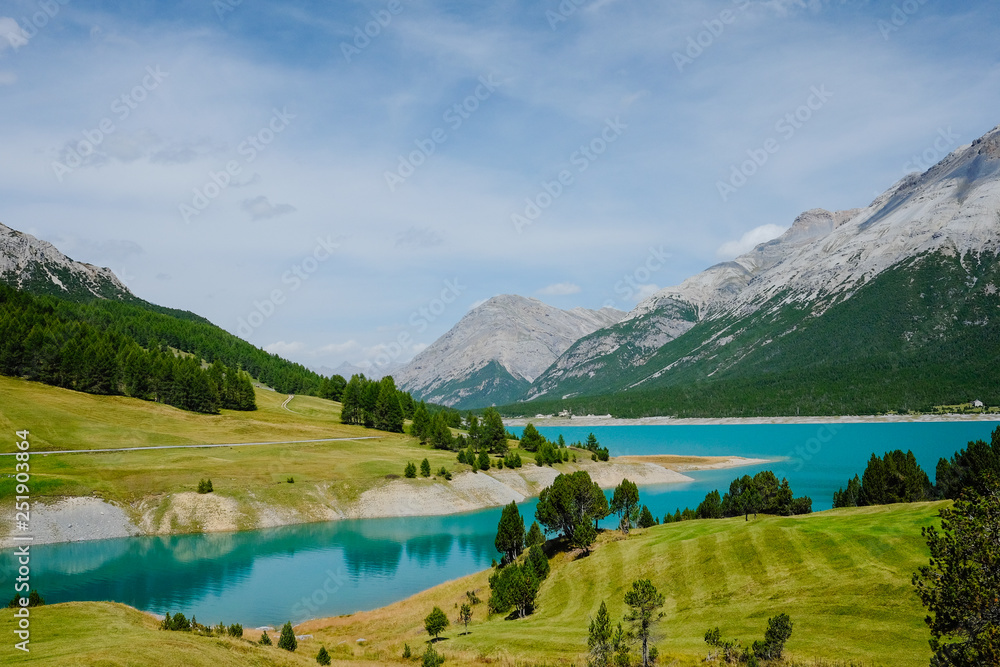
column 328, row 179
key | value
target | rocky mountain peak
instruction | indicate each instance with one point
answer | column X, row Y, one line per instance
column 34, row 265
column 511, row 338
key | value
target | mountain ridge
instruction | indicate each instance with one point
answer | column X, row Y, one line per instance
column 29, row 263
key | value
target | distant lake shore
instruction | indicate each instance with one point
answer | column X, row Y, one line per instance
column 608, row 420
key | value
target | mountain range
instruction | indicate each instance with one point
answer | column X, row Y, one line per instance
column 890, row 306
column 886, row 307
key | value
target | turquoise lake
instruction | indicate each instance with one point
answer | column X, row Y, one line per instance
column 266, row 577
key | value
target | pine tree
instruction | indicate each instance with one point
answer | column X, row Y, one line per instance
column 493, row 435
column 600, row 640
column 539, row 562
column 644, row 601
column 287, row 640
column 323, row 657
column 465, row 616
column 531, row 438
column 425, row 468
column 265, row 640
column 535, row 536
column 646, row 519
column 441, row 437
column 583, row 536
column 484, row 460
column 510, row 534
column 350, row 412
column 388, row 411
column 421, row 426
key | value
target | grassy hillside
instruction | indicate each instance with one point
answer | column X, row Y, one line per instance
column 63, row 419
column 843, row 576
column 113, row 635
column 324, row 472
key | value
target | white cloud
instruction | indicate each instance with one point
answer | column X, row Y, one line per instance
column 338, row 348
column 646, row 291
column 560, row 289
column 260, row 208
column 749, row 241
column 281, row 348
column 11, row 34
column 418, row 237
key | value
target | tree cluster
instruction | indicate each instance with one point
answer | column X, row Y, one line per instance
column 514, row 585
column 613, row 647
column 760, row 494
column 570, row 505
column 893, row 478
column 779, row 629
column 376, row 404
column 179, row 623
column 34, row 600
column 70, row 345
column 969, row 469
column 546, row 452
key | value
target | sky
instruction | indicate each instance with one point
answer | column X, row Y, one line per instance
column 341, row 182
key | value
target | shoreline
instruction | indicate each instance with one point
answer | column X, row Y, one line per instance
column 86, row 518
column 607, row 420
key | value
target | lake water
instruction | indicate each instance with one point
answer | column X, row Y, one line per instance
column 299, row 572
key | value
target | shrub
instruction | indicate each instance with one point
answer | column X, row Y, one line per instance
column 484, row 460
column 432, row 658
column 290, row 480
column 205, row 486
column 287, row 640
column 515, row 586
column 235, row 630
column 425, row 468
column 178, row 622
column 410, row 471
column 443, row 472
column 407, row 653
column 34, row 600
column 265, row 640
column 323, row 657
